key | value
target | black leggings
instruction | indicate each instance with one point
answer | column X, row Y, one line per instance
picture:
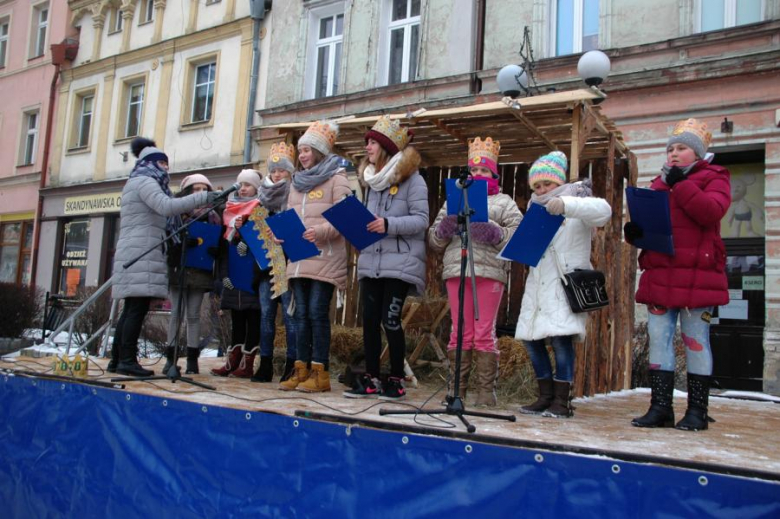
column 246, row 327
column 128, row 327
column 383, row 302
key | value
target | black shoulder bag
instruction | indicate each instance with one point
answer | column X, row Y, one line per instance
column 585, row 289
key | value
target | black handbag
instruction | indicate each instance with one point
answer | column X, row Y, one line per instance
column 586, row 290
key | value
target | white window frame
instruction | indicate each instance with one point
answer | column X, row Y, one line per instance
column 117, row 22
column 315, row 14
column 577, row 15
column 406, row 25
column 38, row 47
column 29, row 148
column 82, row 115
column 211, row 88
column 4, row 40
column 729, row 15
column 148, row 14
column 130, row 104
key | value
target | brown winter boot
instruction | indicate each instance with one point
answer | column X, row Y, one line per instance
column 561, row 406
column 299, row 376
column 232, row 357
column 319, row 380
column 246, row 367
column 487, row 376
column 465, row 370
column 545, row 398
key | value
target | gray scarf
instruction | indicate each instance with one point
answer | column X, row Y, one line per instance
column 582, row 189
column 307, row 179
column 272, row 195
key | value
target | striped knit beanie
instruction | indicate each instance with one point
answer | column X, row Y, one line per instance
column 550, row 167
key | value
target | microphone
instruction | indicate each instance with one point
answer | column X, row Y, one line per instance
column 226, row 193
column 464, row 179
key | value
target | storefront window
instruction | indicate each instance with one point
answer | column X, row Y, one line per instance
column 111, row 241
column 745, row 218
column 73, row 259
column 15, row 247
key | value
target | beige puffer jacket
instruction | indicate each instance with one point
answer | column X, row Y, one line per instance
column 503, row 211
column 331, row 265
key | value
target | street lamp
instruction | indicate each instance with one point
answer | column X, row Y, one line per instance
column 593, row 67
column 512, row 80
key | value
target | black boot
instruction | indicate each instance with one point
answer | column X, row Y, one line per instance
column 561, row 405
column 128, row 362
column 696, row 418
column 265, row 373
column 545, row 398
column 661, row 412
column 192, row 361
column 289, row 368
column 111, row 368
column 170, row 351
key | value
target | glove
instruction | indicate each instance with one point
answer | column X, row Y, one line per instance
column 632, row 232
column 486, row 232
column 555, row 206
column 192, row 243
column 213, row 252
column 447, row 228
column 227, row 283
column 212, row 196
column 242, row 249
column 675, row 175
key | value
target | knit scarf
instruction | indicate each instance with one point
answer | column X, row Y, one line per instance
column 386, row 176
column 582, row 189
column 492, row 185
column 145, row 168
column 307, row 179
column 272, row 195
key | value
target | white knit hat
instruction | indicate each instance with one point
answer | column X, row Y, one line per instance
column 251, row 177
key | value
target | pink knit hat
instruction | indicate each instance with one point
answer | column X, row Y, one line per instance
column 193, row 179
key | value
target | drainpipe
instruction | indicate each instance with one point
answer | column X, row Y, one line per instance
column 479, row 47
column 257, row 12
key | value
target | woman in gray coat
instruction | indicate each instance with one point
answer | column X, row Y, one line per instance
column 398, row 197
column 148, row 213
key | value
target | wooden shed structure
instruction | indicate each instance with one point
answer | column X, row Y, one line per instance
column 527, row 128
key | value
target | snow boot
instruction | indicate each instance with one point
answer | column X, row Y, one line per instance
column 561, row 405
column 192, row 361
column 487, row 377
column 247, row 365
column 545, row 398
column 661, row 412
column 231, row 364
column 265, row 373
column 318, row 381
column 299, row 375
column 696, row 418
column 289, row 367
column 465, row 370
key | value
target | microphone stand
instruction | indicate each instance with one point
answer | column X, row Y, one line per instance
column 174, row 373
column 455, row 404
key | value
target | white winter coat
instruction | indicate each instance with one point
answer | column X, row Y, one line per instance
column 545, row 312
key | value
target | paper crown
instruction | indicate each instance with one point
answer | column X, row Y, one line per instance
column 390, row 134
column 699, row 129
column 281, row 150
column 479, row 149
column 321, row 135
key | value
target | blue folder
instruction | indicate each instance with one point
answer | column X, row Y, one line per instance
column 241, row 269
column 288, row 226
column 532, row 237
column 649, row 209
column 208, row 236
column 256, row 244
column 477, row 199
column 350, row 217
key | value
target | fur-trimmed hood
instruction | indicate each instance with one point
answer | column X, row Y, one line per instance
column 409, row 163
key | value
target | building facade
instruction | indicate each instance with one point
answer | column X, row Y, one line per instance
column 671, row 59
column 27, row 30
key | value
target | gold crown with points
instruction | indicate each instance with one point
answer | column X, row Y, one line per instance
column 479, row 149
column 281, row 150
column 392, row 129
column 695, row 127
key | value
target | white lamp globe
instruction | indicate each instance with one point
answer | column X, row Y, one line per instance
column 593, row 67
column 511, row 80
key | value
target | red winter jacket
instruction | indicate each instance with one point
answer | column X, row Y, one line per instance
column 695, row 276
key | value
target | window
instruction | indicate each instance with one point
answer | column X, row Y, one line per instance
column 29, row 137
column 116, row 21
column 85, row 120
column 112, row 237
column 135, row 105
column 720, row 14
column 203, row 92
column 73, row 259
column 4, row 25
column 40, row 26
column 576, row 26
column 147, row 14
column 404, row 40
column 15, row 252
column 82, row 114
column 328, row 49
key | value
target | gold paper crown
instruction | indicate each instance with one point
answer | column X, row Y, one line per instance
column 326, row 130
column 392, row 129
column 695, row 127
column 281, row 150
column 488, row 149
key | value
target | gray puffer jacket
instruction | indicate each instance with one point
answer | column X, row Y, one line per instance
column 145, row 209
column 401, row 254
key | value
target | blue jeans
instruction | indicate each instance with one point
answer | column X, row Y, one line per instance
column 268, row 309
column 312, row 319
column 695, row 328
column 563, row 348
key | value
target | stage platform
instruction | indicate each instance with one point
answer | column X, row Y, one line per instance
column 250, row 449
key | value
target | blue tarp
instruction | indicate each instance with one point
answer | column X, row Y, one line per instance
column 70, row 450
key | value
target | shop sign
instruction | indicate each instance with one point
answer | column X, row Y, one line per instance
column 102, row 203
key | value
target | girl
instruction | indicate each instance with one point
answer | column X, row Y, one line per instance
column 196, row 281
column 317, row 186
column 273, row 194
column 398, row 197
column 148, row 214
column 488, row 238
column 545, row 311
column 244, row 306
column 689, row 283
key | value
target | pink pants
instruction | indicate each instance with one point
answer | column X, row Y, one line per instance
column 479, row 335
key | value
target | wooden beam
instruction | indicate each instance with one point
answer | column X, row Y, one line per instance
column 532, row 127
column 443, row 127
column 576, row 130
